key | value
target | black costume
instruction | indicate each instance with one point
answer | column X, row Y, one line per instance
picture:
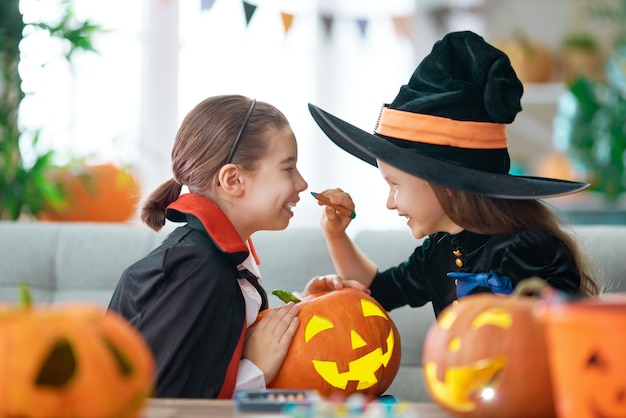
column 423, row 277
column 185, row 299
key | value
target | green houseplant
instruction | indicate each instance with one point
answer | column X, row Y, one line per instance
column 25, row 186
column 590, row 123
column 591, row 126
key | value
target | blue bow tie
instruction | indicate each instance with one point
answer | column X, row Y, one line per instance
column 467, row 282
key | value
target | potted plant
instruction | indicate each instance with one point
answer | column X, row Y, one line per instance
column 590, row 123
column 25, row 186
column 582, row 56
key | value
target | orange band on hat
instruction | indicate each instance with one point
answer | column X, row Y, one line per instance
column 437, row 130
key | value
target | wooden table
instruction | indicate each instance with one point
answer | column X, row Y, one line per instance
column 210, row 408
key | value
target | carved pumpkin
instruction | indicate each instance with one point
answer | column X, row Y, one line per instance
column 71, row 361
column 485, row 356
column 95, row 193
column 586, row 343
column 345, row 343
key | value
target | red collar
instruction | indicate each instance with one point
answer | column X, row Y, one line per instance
column 214, row 221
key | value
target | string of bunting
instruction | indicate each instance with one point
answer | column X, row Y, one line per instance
column 402, row 24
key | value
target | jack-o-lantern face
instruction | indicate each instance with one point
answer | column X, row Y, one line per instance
column 72, row 361
column 486, row 356
column 345, row 343
column 587, row 345
column 603, row 379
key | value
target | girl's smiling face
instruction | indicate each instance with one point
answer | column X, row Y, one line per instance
column 273, row 187
column 414, row 199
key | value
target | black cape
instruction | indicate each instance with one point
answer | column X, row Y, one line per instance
column 185, row 299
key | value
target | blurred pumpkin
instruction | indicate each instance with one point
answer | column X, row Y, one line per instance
column 486, row 356
column 586, row 344
column 95, row 193
column 73, row 360
column 346, row 343
column 531, row 59
column 557, row 165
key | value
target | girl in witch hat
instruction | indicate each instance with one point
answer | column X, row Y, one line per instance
column 441, row 146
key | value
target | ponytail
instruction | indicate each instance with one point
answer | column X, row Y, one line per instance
column 153, row 210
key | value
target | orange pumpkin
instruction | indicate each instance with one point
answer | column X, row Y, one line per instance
column 586, row 343
column 345, row 343
column 486, row 356
column 95, row 193
column 71, row 361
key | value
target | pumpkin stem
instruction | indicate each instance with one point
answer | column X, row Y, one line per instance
column 533, row 286
column 285, row 296
column 25, row 298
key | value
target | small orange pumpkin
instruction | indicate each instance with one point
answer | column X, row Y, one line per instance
column 486, row 356
column 95, row 193
column 346, row 343
column 69, row 361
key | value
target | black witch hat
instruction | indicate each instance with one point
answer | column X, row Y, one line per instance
column 448, row 124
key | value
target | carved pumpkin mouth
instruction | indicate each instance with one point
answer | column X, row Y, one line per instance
column 362, row 370
column 461, row 384
column 613, row 409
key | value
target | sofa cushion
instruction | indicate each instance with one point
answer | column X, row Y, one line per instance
column 69, row 261
column 605, row 249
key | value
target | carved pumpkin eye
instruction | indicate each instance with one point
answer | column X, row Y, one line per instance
column 497, row 317
column 124, row 365
column 596, row 361
column 59, row 366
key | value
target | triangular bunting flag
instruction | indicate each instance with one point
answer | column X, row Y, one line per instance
column 362, row 24
column 287, row 21
column 206, row 4
column 327, row 22
column 249, row 9
column 402, row 26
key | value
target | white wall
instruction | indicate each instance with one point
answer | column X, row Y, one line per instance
column 164, row 56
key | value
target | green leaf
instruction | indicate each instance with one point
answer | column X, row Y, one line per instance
column 285, row 296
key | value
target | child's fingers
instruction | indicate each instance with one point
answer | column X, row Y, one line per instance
column 280, row 318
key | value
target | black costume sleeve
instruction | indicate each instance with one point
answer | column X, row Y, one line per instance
column 191, row 314
column 403, row 284
column 537, row 254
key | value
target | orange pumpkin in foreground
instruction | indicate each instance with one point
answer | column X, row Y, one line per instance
column 71, row 361
column 345, row 343
column 586, row 342
column 95, row 193
column 486, row 356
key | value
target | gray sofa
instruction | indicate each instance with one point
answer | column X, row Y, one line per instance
column 83, row 261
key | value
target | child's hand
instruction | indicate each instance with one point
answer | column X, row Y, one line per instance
column 331, row 282
column 267, row 342
column 333, row 223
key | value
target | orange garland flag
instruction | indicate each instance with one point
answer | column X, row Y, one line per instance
column 287, row 21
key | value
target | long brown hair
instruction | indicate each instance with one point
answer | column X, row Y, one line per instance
column 507, row 216
column 202, row 144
